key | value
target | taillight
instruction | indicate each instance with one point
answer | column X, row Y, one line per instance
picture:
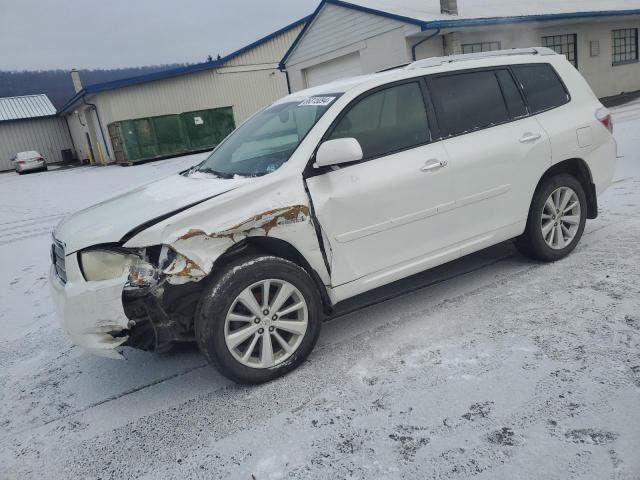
column 604, row 117
column 21, row 162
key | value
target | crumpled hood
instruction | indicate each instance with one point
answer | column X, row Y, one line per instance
column 111, row 220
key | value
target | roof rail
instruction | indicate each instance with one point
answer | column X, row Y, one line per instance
column 437, row 61
column 395, row 67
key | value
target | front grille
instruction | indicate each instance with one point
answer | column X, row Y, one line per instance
column 57, row 257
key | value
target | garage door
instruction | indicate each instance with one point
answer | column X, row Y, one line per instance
column 347, row 66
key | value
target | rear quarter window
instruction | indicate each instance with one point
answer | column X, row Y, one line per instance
column 542, row 86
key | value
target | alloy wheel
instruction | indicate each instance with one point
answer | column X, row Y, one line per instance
column 560, row 220
column 266, row 323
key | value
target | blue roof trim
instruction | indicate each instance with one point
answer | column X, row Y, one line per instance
column 454, row 22
column 472, row 22
column 351, row 6
column 31, row 119
column 373, row 11
column 198, row 67
column 295, row 43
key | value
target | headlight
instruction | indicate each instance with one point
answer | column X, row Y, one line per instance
column 99, row 265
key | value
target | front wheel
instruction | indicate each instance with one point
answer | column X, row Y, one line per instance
column 556, row 220
column 258, row 319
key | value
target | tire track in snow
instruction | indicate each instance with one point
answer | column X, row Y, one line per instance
column 107, row 400
column 33, row 219
column 17, row 230
column 24, row 234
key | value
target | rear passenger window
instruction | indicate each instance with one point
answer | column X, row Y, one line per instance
column 515, row 103
column 541, row 86
column 387, row 121
column 467, row 101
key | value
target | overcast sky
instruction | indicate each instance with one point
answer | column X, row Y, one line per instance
column 44, row 34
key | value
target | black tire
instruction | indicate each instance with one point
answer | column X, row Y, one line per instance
column 532, row 243
column 218, row 297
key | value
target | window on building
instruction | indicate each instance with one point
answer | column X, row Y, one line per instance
column 625, row 46
column 541, row 86
column 565, row 45
column 481, row 47
column 466, row 102
column 387, row 121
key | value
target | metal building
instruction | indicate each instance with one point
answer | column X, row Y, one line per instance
column 30, row 123
column 345, row 38
column 238, row 84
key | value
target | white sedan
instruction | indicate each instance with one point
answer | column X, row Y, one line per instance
column 29, row 161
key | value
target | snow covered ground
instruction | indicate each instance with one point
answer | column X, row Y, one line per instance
column 499, row 368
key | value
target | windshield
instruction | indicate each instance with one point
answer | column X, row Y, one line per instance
column 266, row 141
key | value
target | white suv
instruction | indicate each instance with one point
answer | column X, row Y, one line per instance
column 329, row 193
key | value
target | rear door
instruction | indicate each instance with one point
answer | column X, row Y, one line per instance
column 498, row 151
column 384, row 214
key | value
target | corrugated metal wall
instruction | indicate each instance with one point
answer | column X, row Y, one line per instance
column 336, row 27
column 246, row 92
column 247, row 83
column 49, row 136
column 269, row 52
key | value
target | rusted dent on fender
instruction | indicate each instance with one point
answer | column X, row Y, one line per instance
column 184, row 268
column 266, row 221
column 198, row 250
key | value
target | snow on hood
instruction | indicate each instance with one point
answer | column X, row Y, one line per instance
column 111, row 220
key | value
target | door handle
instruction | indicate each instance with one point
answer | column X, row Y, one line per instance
column 434, row 164
column 530, row 137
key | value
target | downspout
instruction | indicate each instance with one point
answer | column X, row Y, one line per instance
column 73, row 143
column 95, row 109
column 426, row 39
column 283, row 69
column 286, row 74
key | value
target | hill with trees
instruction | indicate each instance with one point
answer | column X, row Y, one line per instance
column 57, row 84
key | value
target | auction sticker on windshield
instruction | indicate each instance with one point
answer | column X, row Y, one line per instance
column 317, row 101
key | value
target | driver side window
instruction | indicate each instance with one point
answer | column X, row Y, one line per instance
column 386, row 121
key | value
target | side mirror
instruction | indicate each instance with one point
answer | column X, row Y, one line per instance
column 335, row 152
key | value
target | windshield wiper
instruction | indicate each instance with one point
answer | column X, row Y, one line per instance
column 214, row 172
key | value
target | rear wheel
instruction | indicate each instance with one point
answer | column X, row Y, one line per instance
column 556, row 220
column 258, row 319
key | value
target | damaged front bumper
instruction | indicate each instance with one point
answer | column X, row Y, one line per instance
column 101, row 316
column 91, row 313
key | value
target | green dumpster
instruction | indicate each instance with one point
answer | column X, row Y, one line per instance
column 207, row 128
column 169, row 135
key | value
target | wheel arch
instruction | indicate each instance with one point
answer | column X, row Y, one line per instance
column 277, row 248
column 579, row 169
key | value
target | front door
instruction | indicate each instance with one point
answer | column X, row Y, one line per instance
column 384, row 214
